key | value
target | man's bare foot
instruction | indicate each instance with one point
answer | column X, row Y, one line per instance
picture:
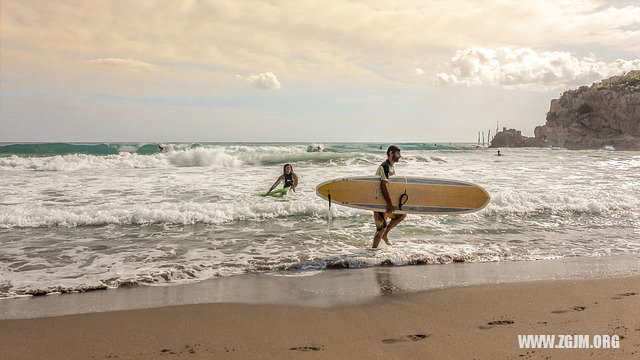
column 386, row 241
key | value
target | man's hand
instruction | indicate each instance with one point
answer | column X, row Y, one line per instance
column 385, row 195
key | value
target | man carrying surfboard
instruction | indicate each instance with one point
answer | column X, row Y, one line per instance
column 386, row 170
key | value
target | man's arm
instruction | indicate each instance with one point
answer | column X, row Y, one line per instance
column 385, row 194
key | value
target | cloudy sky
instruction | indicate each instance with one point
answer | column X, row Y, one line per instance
column 331, row 70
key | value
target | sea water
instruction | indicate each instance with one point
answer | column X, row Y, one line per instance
column 75, row 217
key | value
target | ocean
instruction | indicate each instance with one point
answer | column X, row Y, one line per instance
column 79, row 217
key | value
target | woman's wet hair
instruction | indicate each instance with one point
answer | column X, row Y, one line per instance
column 284, row 168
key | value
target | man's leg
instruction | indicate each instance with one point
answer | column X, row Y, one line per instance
column 381, row 223
column 395, row 221
column 376, row 238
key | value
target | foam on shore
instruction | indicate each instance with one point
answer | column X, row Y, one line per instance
column 327, row 288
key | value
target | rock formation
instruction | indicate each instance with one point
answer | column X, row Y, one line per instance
column 605, row 114
column 514, row 138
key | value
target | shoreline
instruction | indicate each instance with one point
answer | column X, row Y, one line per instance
column 322, row 289
column 477, row 321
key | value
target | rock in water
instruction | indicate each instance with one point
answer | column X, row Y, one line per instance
column 514, row 138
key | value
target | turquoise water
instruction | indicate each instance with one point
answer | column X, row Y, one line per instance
column 52, row 149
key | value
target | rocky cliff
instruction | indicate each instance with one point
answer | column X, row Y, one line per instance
column 604, row 114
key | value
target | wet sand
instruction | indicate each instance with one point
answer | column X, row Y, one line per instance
column 470, row 322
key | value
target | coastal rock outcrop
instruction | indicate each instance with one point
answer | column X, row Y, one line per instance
column 605, row 114
column 514, row 138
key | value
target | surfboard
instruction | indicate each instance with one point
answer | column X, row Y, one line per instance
column 409, row 194
column 280, row 192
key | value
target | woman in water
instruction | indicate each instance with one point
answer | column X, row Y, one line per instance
column 290, row 179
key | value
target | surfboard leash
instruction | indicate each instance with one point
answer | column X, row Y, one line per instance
column 406, row 198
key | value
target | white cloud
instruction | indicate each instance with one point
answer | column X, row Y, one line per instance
column 527, row 68
column 418, row 71
column 127, row 64
column 333, row 41
column 264, row 81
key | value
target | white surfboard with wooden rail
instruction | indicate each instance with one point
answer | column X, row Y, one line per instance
column 409, row 194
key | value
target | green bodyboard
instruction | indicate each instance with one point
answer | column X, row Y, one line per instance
column 276, row 193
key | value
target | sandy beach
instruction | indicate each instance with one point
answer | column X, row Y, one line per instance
column 469, row 322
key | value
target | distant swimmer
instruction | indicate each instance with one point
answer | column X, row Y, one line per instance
column 386, row 170
column 160, row 148
column 499, row 153
column 290, row 179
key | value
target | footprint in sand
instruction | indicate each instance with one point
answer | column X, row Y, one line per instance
column 575, row 308
column 619, row 296
column 496, row 322
column 407, row 338
column 191, row 349
column 307, row 348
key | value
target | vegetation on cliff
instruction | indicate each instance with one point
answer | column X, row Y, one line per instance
column 622, row 84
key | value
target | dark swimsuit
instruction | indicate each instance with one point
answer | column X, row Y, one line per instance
column 288, row 180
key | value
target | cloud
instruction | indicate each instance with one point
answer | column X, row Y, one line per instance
column 126, row 64
column 332, row 41
column 264, row 81
column 527, row 68
column 418, row 71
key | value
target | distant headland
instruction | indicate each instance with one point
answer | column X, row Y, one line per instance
column 603, row 115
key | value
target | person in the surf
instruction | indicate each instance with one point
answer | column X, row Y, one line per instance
column 386, row 170
column 288, row 176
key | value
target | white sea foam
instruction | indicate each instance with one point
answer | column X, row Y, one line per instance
column 502, row 203
column 198, row 157
column 202, row 157
column 216, row 156
column 128, row 148
column 161, row 266
column 182, row 213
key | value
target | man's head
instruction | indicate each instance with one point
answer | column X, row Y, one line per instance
column 393, row 153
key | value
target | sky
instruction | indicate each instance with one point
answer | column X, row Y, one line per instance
column 307, row 71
